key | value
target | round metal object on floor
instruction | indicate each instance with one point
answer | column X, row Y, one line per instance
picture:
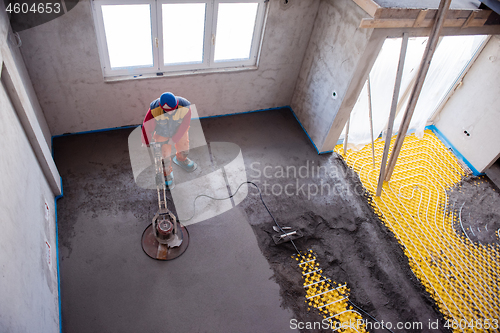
column 159, row 251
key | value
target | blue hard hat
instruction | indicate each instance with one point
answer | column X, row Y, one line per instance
column 168, row 101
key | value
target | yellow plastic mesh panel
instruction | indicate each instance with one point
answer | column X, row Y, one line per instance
column 461, row 276
column 329, row 298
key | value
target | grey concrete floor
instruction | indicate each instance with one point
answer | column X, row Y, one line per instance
column 232, row 278
column 222, row 283
column 493, row 173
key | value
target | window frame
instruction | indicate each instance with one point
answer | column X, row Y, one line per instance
column 183, row 66
column 257, row 33
column 103, row 46
column 210, row 39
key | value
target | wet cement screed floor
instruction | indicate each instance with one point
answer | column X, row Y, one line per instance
column 232, row 278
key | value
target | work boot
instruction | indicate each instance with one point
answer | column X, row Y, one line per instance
column 188, row 164
column 169, row 180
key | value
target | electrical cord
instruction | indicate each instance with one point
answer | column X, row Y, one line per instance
column 232, row 195
column 279, row 226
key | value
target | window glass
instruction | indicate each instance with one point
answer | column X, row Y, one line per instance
column 128, row 35
column 183, row 32
column 235, row 28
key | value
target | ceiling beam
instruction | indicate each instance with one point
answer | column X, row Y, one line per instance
column 424, row 18
column 368, row 6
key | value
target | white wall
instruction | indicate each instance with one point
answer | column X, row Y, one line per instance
column 28, row 284
column 64, row 65
column 475, row 108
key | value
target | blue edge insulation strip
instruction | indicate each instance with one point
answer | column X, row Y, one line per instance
column 57, row 255
column 433, row 128
column 454, row 150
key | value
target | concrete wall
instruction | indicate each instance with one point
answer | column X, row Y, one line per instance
column 28, row 283
column 63, row 63
column 332, row 58
column 33, row 99
column 475, row 108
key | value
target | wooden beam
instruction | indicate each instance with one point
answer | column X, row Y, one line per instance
column 422, row 72
column 427, row 23
column 378, row 13
column 385, row 23
column 412, row 13
column 409, row 88
column 368, row 6
column 469, row 19
column 420, row 18
column 411, row 18
column 346, row 136
column 392, row 114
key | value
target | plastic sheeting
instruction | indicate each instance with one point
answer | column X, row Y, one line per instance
column 450, row 59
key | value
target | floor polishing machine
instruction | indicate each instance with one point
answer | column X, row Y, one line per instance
column 165, row 238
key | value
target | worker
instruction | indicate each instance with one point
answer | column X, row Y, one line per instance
column 167, row 122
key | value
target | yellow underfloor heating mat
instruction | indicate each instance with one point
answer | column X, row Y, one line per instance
column 331, row 299
column 462, row 276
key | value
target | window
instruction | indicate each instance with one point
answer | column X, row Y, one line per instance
column 138, row 37
column 453, row 56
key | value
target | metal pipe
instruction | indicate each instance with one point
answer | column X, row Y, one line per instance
column 371, row 118
column 159, row 197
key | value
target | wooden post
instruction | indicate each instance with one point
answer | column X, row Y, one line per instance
column 407, row 91
column 422, row 72
column 371, row 118
column 392, row 114
column 346, row 137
